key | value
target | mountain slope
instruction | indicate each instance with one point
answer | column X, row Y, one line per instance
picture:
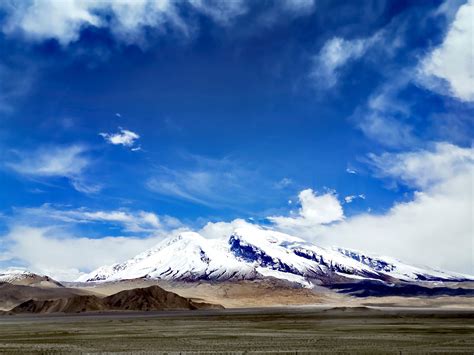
column 26, row 278
column 255, row 253
column 152, row 298
column 12, row 295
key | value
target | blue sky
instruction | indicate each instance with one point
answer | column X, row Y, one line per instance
column 124, row 122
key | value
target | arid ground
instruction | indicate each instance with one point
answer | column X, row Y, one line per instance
column 283, row 330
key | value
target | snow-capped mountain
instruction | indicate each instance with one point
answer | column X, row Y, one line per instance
column 253, row 253
column 24, row 277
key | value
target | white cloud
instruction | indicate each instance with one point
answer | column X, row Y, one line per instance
column 50, row 19
column 64, row 20
column 333, row 56
column 315, row 211
column 128, row 20
column 221, row 11
column 210, row 182
column 384, row 118
column 452, row 63
column 424, row 168
column 283, row 183
column 124, row 137
column 222, row 230
column 55, row 161
column 52, row 161
column 435, row 228
column 351, row 198
column 351, row 171
column 63, row 255
column 48, row 239
column 129, row 221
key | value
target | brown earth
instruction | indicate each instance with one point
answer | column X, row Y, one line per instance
column 272, row 293
column 12, row 295
column 152, row 298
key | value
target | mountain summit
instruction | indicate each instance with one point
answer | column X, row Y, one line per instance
column 255, row 253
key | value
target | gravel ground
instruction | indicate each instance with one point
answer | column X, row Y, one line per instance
column 300, row 330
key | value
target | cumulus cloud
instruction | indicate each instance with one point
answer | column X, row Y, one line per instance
column 435, row 228
column 315, row 211
column 449, row 68
column 123, row 137
column 55, row 162
column 222, row 230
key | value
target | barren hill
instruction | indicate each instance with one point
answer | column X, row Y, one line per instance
column 152, row 298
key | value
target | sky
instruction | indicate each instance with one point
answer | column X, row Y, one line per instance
column 344, row 123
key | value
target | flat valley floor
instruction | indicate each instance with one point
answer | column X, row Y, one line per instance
column 269, row 330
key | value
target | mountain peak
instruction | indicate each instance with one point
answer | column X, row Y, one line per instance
column 254, row 253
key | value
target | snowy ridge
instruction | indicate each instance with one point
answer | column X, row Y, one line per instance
column 14, row 275
column 253, row 253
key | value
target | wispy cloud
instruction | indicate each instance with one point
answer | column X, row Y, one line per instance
column 16, row 81
column 49, row 239
column 284, row 183
column 123, row 137
column 128, row 20
column 385, row 118
column 48, row 162
column 426, row 167
column 209, row 182
column 52, row 161
column 128, row 221
column 333, row 56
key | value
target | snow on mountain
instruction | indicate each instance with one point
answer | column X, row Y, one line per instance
column 397, row 269
column 254, row 252
column 24, row 277
column 188, row 257
column 14, row 275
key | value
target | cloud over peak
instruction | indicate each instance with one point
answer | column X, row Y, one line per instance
column 315, row 210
